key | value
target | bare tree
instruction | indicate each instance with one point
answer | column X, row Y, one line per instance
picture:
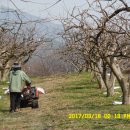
column 104, row 44
column 18, row 42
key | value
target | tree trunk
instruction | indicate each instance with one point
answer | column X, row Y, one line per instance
column 4, row 72
column 110, row 85
column 1, row 74
column 122, row 82
column 100, row 80
column 4, row 75
column 99, row 75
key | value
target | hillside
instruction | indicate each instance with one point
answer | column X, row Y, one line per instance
column 43, row 26
column 67, row 95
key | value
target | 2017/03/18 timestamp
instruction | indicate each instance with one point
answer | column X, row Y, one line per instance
column 84, row 116
column 98, row 116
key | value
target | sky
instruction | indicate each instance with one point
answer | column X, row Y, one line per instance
column 44, row 8
column 48, row 8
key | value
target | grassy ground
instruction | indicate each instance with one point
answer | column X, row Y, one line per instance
column 75, row 96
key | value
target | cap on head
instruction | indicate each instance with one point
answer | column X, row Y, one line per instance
column 16, row 65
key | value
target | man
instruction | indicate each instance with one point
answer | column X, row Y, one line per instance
column 17, row 79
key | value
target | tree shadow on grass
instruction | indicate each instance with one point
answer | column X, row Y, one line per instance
column 88, row 84
column 91, row 107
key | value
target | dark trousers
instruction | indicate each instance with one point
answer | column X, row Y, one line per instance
column 15, row 98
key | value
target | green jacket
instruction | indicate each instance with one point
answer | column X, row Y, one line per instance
column 17, row 80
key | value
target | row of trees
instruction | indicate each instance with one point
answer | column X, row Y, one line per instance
column 98, row 39
column 95, row 39
column 47, row 61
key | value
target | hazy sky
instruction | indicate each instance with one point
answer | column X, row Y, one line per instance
column 47, row 8
column 43, row 7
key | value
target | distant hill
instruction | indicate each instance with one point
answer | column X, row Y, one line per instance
column 50, row 28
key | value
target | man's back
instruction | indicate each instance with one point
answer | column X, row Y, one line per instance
column 17, row 79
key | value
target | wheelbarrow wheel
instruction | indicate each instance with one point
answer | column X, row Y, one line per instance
column 35, row 104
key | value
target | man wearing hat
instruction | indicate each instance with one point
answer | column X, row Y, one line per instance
column 17, row 79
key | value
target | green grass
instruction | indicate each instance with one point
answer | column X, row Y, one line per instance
column 67, row 94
